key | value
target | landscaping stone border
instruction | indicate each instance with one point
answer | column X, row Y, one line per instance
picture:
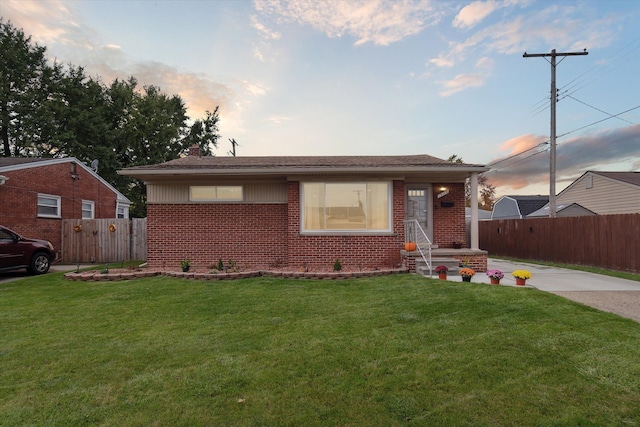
column 94, row 276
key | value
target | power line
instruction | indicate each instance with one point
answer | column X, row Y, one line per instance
column 552, row 139
column 516, row 161
column 519, row 154
column 597, row 109
column 600, row 121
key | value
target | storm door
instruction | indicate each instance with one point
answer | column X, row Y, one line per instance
column 417, row 208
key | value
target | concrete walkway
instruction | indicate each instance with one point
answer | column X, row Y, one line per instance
column 552, row 279
column 619, row 296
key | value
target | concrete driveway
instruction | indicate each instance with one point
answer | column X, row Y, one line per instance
column 619, row 296
column 552, row 279
column 11, row 276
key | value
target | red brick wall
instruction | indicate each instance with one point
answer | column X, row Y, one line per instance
column 268, row 235
column 253, row 235
column 19, row 199
column 353, row 251
column 448, row 222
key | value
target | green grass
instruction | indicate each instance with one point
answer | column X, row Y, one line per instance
column 394, row 350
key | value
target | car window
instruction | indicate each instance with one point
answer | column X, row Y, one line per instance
column 5, row 236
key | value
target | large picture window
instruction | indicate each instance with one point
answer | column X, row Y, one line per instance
column 215, row 193
column 352, row 206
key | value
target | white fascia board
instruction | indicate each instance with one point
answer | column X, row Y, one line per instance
column 295, row 171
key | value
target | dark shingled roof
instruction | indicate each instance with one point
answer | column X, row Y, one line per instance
column 13, row 161
column 208, row 162
column 529, row 204
column 628, row 177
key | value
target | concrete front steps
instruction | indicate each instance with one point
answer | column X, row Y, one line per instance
column 451, row 263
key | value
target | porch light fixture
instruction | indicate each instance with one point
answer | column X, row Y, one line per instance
column 3, row 179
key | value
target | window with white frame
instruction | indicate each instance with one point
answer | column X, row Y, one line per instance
column 346, row 206
column 49, row 206
column 122, row 211
column 88, row 209
column 215, row 193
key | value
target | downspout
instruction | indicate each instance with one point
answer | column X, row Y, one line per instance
column 475, row 245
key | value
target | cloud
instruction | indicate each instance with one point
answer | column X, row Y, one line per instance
column 368, row 21
column 66, row 37
column 556, row 25
column 278, row 120
column 263, row 30
column 461, row 82
column 603, row 151
column 41, row 18
column 473, row 13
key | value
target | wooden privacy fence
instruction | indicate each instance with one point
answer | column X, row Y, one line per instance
column 104, row 240
column 607, row 241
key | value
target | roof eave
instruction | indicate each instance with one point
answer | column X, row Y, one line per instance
column 141, row 173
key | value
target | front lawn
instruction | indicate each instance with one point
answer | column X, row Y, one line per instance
column 393, row 350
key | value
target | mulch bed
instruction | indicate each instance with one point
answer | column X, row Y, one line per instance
column 123, row 274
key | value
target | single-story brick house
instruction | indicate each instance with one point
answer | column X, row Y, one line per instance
column 36, row 194
column 301, row 212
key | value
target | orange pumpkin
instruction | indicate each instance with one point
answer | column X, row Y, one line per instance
column 410, row 246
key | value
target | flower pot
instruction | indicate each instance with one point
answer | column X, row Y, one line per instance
column 466, row 278
column 520, row 282
column 495, row 281
column 442, row 276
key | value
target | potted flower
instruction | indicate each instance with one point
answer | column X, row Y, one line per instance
column 442, row 271
column 467, row 273
column 521, row 277
column 495, row 276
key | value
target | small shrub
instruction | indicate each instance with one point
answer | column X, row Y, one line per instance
column 337, row 266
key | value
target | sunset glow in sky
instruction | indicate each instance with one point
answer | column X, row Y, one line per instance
column 376, row 77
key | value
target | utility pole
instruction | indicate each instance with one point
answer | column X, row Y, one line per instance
column 233, row 147
column 552, row 137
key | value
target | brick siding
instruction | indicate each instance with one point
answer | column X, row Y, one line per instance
column 268, row 235
column 449, row 222
column 252, row 235
column 19, row 199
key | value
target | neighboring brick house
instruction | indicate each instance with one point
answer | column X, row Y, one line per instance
column 299, row 212
column 36, row 194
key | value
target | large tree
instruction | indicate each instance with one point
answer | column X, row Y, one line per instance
column 25, row 78
column 55, row 111
column 487, row 191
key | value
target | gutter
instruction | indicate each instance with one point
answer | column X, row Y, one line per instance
column 297, row 171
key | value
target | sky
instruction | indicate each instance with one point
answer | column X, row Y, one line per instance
column 377, row 77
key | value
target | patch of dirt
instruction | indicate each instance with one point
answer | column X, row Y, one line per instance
column 622, row 303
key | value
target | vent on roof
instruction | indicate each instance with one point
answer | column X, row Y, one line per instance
column 588, row 181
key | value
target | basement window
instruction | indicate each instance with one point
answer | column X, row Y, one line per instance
column 215, row 193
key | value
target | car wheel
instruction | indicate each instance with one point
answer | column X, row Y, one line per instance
column 39, row 263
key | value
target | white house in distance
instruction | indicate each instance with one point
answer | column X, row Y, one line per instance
column 517, row 207
column 605, row 193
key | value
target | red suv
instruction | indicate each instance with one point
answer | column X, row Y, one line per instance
column 18, row 252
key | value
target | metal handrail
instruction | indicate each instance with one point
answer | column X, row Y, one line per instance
column 413, row 232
